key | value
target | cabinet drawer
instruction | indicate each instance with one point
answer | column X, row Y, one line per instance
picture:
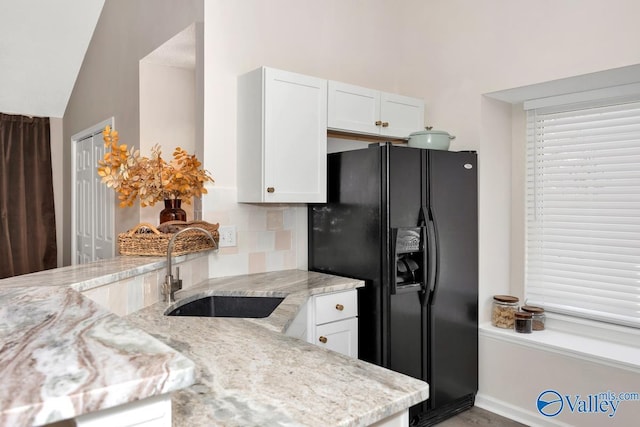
column 336, row 306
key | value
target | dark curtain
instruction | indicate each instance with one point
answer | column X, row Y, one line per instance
column 27, row 215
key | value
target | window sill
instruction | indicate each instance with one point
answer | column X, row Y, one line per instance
column 567, row 336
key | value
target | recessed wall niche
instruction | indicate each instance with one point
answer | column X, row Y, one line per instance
column 171, row 106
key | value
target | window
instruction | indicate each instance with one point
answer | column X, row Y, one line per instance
column 583, row 210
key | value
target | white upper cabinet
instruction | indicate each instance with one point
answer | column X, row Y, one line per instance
column 282, row 137
column 400, row 115
column 353, row 108
column 356, row 109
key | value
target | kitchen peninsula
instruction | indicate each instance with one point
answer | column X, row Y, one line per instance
column 63, row 356
column 247, row 371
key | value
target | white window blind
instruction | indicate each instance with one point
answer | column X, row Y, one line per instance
column 583, row 211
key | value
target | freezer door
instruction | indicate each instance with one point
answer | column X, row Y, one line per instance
column 406, row 186
column 345, row 233
column 345, row 238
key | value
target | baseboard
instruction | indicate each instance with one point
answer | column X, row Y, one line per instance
column 432, row 417
column 516, row 413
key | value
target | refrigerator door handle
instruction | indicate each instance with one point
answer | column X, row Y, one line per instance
column 432, row 244
column 423, row 223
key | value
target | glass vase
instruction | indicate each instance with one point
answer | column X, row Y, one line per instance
column 172, row 211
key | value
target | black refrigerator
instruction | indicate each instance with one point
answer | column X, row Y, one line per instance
column 405, row 221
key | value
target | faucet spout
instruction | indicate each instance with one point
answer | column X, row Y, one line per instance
column 172, row 285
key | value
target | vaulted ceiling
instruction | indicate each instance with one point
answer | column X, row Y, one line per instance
column 42, row 45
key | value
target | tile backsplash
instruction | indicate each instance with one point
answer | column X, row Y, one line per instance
column 270, row 237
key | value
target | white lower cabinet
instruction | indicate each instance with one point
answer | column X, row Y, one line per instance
column 330, row 321
column 150, row 412
column 400, row 419
column 340, row 336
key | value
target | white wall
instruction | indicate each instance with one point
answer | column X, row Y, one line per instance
column 450, row 52
column 352, row 41
column 47, row 44
column 513, row 375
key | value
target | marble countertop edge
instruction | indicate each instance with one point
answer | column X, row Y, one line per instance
column 83, row 277
column 59, row 408
column 395, row 406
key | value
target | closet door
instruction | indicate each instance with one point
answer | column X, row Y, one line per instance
column 94, row 204
column 103, row 205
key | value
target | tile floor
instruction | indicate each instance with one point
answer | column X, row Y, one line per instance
column 479, row 417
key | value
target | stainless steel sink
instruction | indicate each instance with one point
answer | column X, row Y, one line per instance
column 228, row 306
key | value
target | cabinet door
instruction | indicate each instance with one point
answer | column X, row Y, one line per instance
column 341, row 336
column 403, row 114
column 353, row 108
column 150, row 412
column 295, row 137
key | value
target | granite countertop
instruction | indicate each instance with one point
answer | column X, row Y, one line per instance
column 296, row 286
column 249, row 373
column 62, row 355
column 91, row 275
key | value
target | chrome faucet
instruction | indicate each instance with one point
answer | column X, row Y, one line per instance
column 171, row 285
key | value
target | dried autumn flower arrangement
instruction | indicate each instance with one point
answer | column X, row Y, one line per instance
column 150, row 179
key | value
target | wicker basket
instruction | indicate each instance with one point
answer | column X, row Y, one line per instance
column 146, row 240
